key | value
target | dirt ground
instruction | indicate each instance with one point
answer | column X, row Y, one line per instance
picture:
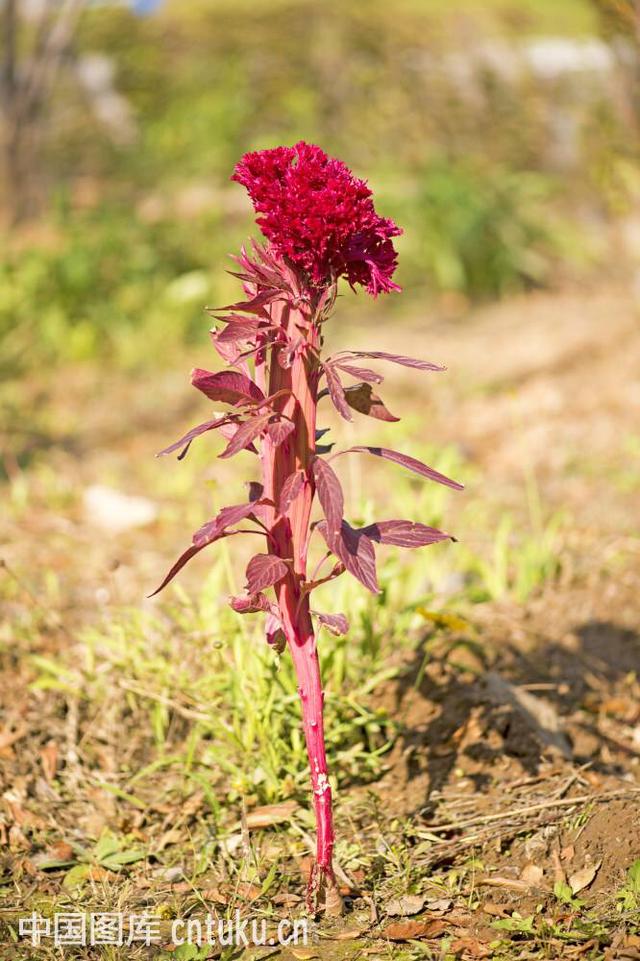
column 514, row 782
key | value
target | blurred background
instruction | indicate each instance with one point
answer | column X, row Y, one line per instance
column 503, row 136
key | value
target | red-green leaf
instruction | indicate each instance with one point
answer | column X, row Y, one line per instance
column 404, row 533
column 394, row 358
column 290, row 490
column 336, row 390
column 264, row 570
column 246, row 434
column 409, row 462
column 362, row 373
column 227, row 386
column 362, row 398
column 335, row 623
column 236, row 332
column 226, row 518
column 185, row 442
column 356, row 552
column 249, row 603
column 179, row 564
column 329, row 494
column 279, row 430
column 212, row 531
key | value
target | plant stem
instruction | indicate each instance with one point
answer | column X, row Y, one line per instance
column 290, row 541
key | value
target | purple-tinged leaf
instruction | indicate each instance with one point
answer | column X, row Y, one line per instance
column 179, row 564
column 212, row 531
column 235, row 333
column 226, row 518
column 232, row 355
column 362, row 398
column 232, row 341
column 394, row 358
column 274, row 634
column 250, row 603
column 255, row 305
column 324, row 448
column 290, row 490
column 227, row 386
column 264, row 570
column 404, row 533
column 336, row 390
column 329, row 494
column 185, row 442
column 405, row 461
column 229, row 431
column 253, row 322
column 246, row 434
column 361, row 373
column 279, row 430
column 321, row 431
column 356, row 552
column 335, row 623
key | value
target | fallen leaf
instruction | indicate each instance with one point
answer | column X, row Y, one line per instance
column 617, row 706
column 471, row 948
column 583, row 878
column 513, row 884
column 270, row 814
column 49, row 759
column 405, row 906
column 495, row 910
column 62, row 850
column 22, row 816
column 567, row 853
column 438, row 905
column 287, row 900
column 211, row 894
column 532, row 874
column 98, row 873
column 410, row 930
column 249, row 892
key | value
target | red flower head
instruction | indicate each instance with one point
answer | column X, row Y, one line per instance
column 319, row 216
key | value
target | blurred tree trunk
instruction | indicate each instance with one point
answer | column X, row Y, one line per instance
column 620, row 21
column 27, row 81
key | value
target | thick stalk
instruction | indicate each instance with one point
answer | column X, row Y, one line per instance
column 290, row 541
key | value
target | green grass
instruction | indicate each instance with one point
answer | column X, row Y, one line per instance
column 209, row 699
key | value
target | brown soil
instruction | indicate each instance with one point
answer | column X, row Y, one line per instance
column 559, row 391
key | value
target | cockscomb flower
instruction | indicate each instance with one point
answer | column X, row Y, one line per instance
column 321, row 225
column 320, row 217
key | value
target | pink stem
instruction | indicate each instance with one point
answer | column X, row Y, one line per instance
column 290, row 535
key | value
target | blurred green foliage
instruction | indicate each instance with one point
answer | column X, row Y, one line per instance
column 102, row 276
